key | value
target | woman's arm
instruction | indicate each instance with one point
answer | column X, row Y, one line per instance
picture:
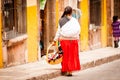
column 57, row 35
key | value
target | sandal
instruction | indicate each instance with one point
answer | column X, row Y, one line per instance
column 69, row 74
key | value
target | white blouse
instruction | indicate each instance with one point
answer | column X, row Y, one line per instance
column 69, row 30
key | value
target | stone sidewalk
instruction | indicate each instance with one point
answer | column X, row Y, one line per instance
column 43, row 71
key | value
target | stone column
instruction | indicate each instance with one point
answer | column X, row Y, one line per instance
column 39, row 26
column 50, row 22
column 109, row 20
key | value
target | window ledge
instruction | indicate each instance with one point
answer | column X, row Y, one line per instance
column 17, row 39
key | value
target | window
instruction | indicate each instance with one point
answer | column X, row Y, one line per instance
column 95, row 12
column 117, row 8
column 14, row 18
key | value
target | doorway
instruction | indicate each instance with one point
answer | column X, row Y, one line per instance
column 95, row 24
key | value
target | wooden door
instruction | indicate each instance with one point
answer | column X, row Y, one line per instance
column 95, row 24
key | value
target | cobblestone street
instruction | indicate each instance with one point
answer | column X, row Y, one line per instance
column 108, row 71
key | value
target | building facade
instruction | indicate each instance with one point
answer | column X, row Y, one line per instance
column 19, row 32
column 96, row 22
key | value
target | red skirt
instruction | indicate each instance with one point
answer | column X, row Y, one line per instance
column 71, row 61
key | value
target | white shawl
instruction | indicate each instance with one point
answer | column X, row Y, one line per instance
column 70, row 29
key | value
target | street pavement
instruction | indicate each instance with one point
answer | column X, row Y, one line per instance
column 41, row 70
column 108, row 71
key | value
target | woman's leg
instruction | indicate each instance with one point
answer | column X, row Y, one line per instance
column 116, row 40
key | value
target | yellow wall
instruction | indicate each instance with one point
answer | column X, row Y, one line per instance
column 84, row 20
column 104, row 24
column 1, row 62
column 32, row 31
column 57, row 14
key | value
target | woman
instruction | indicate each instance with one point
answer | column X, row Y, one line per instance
column 116, row 30
column 68, row 35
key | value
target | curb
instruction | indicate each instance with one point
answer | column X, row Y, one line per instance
column 100, row 61
column 83, row 67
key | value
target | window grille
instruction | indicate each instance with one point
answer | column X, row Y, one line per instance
column 117, row 8
column 14, row 18
column 95, row 12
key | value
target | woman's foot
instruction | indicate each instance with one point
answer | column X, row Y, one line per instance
column 69, row 74
column 66, row 73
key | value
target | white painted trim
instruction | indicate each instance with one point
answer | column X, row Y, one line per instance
column 31, row 3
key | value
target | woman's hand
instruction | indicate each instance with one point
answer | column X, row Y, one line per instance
column 54, row 43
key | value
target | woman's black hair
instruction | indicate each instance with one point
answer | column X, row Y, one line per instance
column 115, row 18
column 67, row 10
